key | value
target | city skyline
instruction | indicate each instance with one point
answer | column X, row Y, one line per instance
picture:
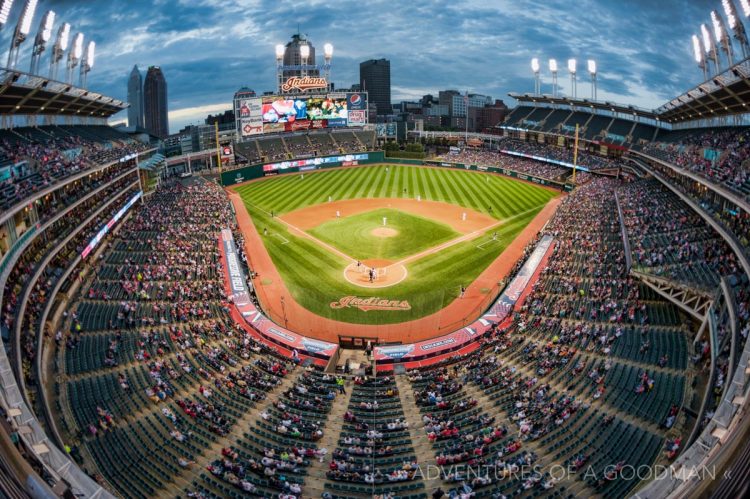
column 209, row 49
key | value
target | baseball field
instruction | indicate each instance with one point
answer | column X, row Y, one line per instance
column 385, row 244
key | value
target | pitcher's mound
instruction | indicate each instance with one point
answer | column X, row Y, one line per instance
column 384, row 232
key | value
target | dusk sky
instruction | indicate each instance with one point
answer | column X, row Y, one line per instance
column 210, row 48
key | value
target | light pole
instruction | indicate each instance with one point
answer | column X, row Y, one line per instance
column 535, row 68
column 328, row 55
column 304, row 53
column 23, row 28
column 553, row 70
column 279, row 67
column 40, row 42
column 5, row 6
column 87, row 63
column 698, row 54
column 709, row 47
column 592, row 73
column 735, row 25
column 74, row 55
column 61, row 44
column 572, row 71
column 722, row 38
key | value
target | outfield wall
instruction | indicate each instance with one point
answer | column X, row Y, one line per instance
column 261, row 170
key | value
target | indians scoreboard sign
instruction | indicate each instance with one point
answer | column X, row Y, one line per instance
column 303, row 84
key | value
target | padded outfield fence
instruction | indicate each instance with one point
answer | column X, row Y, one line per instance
column 260, row 170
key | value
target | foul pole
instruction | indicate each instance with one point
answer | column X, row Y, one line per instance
column 218, row 153
column 575, row 156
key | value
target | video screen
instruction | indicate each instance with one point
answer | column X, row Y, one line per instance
column 325, row 109
column 283, row 110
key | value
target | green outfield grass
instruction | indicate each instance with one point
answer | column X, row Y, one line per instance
column 353, row 234
column 314, row 275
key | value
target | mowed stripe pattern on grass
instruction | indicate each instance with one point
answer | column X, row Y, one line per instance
column 497, row 196
column 314, row 276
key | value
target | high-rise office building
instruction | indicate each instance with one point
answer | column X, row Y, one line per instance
column 293, row 57
column 375, row 79
column 135, row 98
column 155, row 102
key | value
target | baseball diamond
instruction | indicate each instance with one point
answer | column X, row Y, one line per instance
column 438, row 218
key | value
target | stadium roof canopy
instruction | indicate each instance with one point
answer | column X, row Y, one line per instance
column 586, row 103
column 725, row 94
column 25, row 94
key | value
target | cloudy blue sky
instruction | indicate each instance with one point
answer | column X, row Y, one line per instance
column 209, row 48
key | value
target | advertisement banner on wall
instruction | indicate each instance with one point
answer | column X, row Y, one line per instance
column 297, row 125
column 336, row 122
column 273, row 127
column 357, row 118
column 250, row 127
column 356, row 102
column 380, row 130
column 249, row 108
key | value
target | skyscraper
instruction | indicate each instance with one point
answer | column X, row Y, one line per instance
column 293, row 57
column 375, row 79
column 135, row 98
column 155, row 102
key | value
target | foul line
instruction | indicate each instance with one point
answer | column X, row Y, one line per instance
column 308, row 236
column 480, row 246
column 411, row 258
column 286, row 241
column 465, row 237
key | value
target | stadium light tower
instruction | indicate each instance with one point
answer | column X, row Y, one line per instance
column 74, row 55
column 87, row 63
column 553, row 70
column 592, row 72
column 722, row 38
column 709, row 47
column 698, row 54
column 327, row 55
column 537, row 83
column 5, row 6
column 40, row 43
column 279, row 67
column 572, row 71
column 61, row 44
column 23, row 28
column 304, row 53
column 736, row 26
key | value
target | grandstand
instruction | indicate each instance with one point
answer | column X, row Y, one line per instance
column 304, row 145
column 138, row 362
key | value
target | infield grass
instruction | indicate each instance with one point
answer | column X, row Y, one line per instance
column 314, row 275
column 353, row 235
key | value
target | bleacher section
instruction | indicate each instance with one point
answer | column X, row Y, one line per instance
column 564, row 121
column 293, row 145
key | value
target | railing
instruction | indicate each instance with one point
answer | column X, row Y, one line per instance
column 5, row 215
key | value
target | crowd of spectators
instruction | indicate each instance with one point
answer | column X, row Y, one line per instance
column 492, row 158
column 668, row 239
column 41, row 164
column 719, row 155
column 552, row 152
column 304, row 145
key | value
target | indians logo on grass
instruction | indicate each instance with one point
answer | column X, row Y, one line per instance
column 371, row 303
